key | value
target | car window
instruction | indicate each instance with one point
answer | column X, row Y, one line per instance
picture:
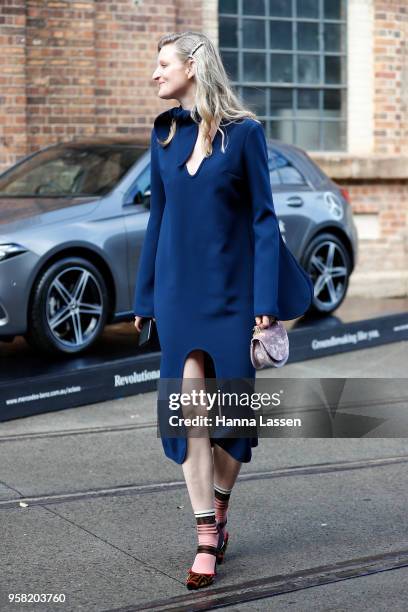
column 282, row 171
column 70, row 170
column 273, row 162
column 142, row 182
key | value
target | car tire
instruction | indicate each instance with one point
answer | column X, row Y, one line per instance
column 59, row 323
column 330, row 289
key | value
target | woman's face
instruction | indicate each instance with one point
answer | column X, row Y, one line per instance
column 174, row 77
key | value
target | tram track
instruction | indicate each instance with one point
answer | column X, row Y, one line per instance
column 218, row 596
column 75, row 432
column 272, row 586
column 158, row 487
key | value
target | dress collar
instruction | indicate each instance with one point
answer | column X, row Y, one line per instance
column 186, row 131
column 183, row 115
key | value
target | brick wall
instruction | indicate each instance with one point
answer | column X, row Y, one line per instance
column 81, row 67
column 61, row 70
column 84, row 67
column 375, row 171
column 382, row 268
column 391, row 76
column 13, row 80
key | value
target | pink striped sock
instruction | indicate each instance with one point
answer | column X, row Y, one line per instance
column 204, row 562
column 221, row 502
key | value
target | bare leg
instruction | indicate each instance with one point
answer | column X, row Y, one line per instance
column 198, row 471
column 198, row 466
column 226, row 468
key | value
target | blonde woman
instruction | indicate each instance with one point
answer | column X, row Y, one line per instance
column 213, row 264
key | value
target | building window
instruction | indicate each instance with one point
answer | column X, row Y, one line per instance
column 287, row 61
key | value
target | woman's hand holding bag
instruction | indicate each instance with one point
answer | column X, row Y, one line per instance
column 269, row 346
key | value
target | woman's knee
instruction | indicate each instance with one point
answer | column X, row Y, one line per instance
column 194, row 381
column 194, row 364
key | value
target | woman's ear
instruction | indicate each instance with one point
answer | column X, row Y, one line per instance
column 190, row 69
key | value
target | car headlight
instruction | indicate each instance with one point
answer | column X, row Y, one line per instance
column 10, row 249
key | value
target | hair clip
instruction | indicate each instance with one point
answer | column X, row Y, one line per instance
column 195, row 48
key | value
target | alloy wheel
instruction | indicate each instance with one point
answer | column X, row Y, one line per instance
column 329, row 270
column 74, row 306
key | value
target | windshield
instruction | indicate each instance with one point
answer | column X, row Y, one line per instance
column 70, row 171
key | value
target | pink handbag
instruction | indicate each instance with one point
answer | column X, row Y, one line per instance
column 270, row 346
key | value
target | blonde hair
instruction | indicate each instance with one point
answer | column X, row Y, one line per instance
column 214, row 98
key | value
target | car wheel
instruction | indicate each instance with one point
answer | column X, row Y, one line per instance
column 68, row 307
column 327, row 262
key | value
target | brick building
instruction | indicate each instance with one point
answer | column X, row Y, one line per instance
column 329, row 75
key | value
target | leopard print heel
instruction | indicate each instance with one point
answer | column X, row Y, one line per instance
column 197, row 580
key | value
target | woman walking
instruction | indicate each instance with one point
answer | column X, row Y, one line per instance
column 213, row 264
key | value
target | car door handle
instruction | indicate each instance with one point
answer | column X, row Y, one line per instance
column 295, row 201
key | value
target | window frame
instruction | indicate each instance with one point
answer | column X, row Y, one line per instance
column 297, row 117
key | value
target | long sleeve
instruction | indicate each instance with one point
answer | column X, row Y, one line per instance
column 264, row 223
column 143, row 297
column 281, row 286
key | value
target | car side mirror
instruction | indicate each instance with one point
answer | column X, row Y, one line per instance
column 139, row 198
column 146, row 198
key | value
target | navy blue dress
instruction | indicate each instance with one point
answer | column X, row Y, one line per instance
column 213, row 258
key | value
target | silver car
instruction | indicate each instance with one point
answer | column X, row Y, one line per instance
column 72, row 222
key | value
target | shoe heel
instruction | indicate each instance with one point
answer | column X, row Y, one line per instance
column 221, row 552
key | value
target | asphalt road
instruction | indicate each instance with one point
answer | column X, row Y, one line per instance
column 92, row 510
